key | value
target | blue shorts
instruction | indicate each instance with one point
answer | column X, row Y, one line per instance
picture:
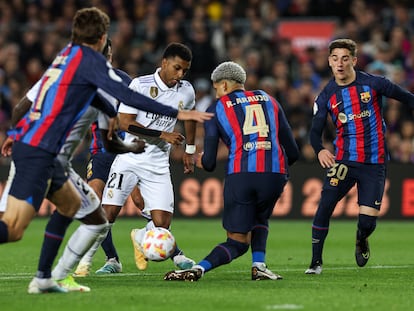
column 38, row 173
column 249, row 199
column 99, row 166
column 369, row 178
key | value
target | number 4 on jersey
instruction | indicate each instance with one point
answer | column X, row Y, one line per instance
column 255, row 121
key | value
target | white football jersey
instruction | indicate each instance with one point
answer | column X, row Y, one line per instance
column 181, row 96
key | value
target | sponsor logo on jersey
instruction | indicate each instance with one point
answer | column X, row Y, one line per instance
column 153, row 91
column 257, row 145
column 365, row 97
column 352, row 116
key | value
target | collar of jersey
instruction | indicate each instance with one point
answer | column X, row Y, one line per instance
column 163, row 87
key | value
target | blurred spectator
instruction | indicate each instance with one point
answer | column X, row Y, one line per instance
column 245, row 31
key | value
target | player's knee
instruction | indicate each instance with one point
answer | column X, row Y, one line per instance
column 15, row 233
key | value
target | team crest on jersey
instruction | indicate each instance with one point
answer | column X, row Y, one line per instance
column 181, row 105
column 365, row 97
column 333, row 182
column 153, row 91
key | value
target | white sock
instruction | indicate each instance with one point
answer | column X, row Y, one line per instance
column 78, row 244
column 150, row 225
column 87, row 258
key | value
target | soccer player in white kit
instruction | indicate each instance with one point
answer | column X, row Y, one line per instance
column 150, row 169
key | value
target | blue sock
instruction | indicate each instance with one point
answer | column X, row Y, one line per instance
column 54, row 234
column 109, row 247
column 224, row 253
column 258, row 244
column 4, row 233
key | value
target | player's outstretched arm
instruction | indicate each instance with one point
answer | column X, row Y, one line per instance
column 194, row 115
column 174, row 138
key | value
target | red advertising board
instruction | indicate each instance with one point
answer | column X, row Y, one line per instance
column 307, row 33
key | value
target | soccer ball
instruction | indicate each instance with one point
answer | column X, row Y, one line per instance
column 158, row 244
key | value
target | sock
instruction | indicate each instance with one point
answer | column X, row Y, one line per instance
column 54, row 234
column 318, row 240
column 366, row 225
column 87, row 258
column 258, row 243
column 320, row 225
column 109, row 247
column 4, row 233
column 177, row 251
column 223, row 254
column 78, row 244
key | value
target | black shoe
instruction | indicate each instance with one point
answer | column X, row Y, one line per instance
column 362, row 252
column 190, row 275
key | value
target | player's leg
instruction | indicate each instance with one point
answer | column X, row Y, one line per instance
column 120, row 184
column 67, row 201
column 269, row 188
column 161, row 209
column 26, row 213
column 338, row 182
column 6, row 189
column 97, row 174
column 238, row 220
column 371, row 183
column 94, row 223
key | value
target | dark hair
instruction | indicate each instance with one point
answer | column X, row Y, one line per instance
column 89, row 25
column 343, row 44
column 178, row 49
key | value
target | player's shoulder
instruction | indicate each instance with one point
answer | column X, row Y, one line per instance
column 363, row 77
column 186, row 84
column 186, row 87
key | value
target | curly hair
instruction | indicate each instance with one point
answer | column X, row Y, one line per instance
column 229, row 71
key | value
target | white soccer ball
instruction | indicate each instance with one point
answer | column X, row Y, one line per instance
column 158, row 244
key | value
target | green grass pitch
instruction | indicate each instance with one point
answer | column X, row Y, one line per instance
column 386, row 283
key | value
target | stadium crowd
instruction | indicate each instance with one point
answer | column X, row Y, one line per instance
column 33, row 31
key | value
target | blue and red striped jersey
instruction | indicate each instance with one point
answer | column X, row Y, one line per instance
column 67, row 89
column 253, row 126
column 357, row 113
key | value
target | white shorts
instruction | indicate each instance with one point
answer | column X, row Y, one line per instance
column 156, row 189
column 5, row 194
column 89, row 199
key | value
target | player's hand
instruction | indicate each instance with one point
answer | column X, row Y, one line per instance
column 326, row 158
column 138, row 146
column 6, row 148
column 173, row 138
column 197, row 159
column 188, row 160
column 194, row 115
